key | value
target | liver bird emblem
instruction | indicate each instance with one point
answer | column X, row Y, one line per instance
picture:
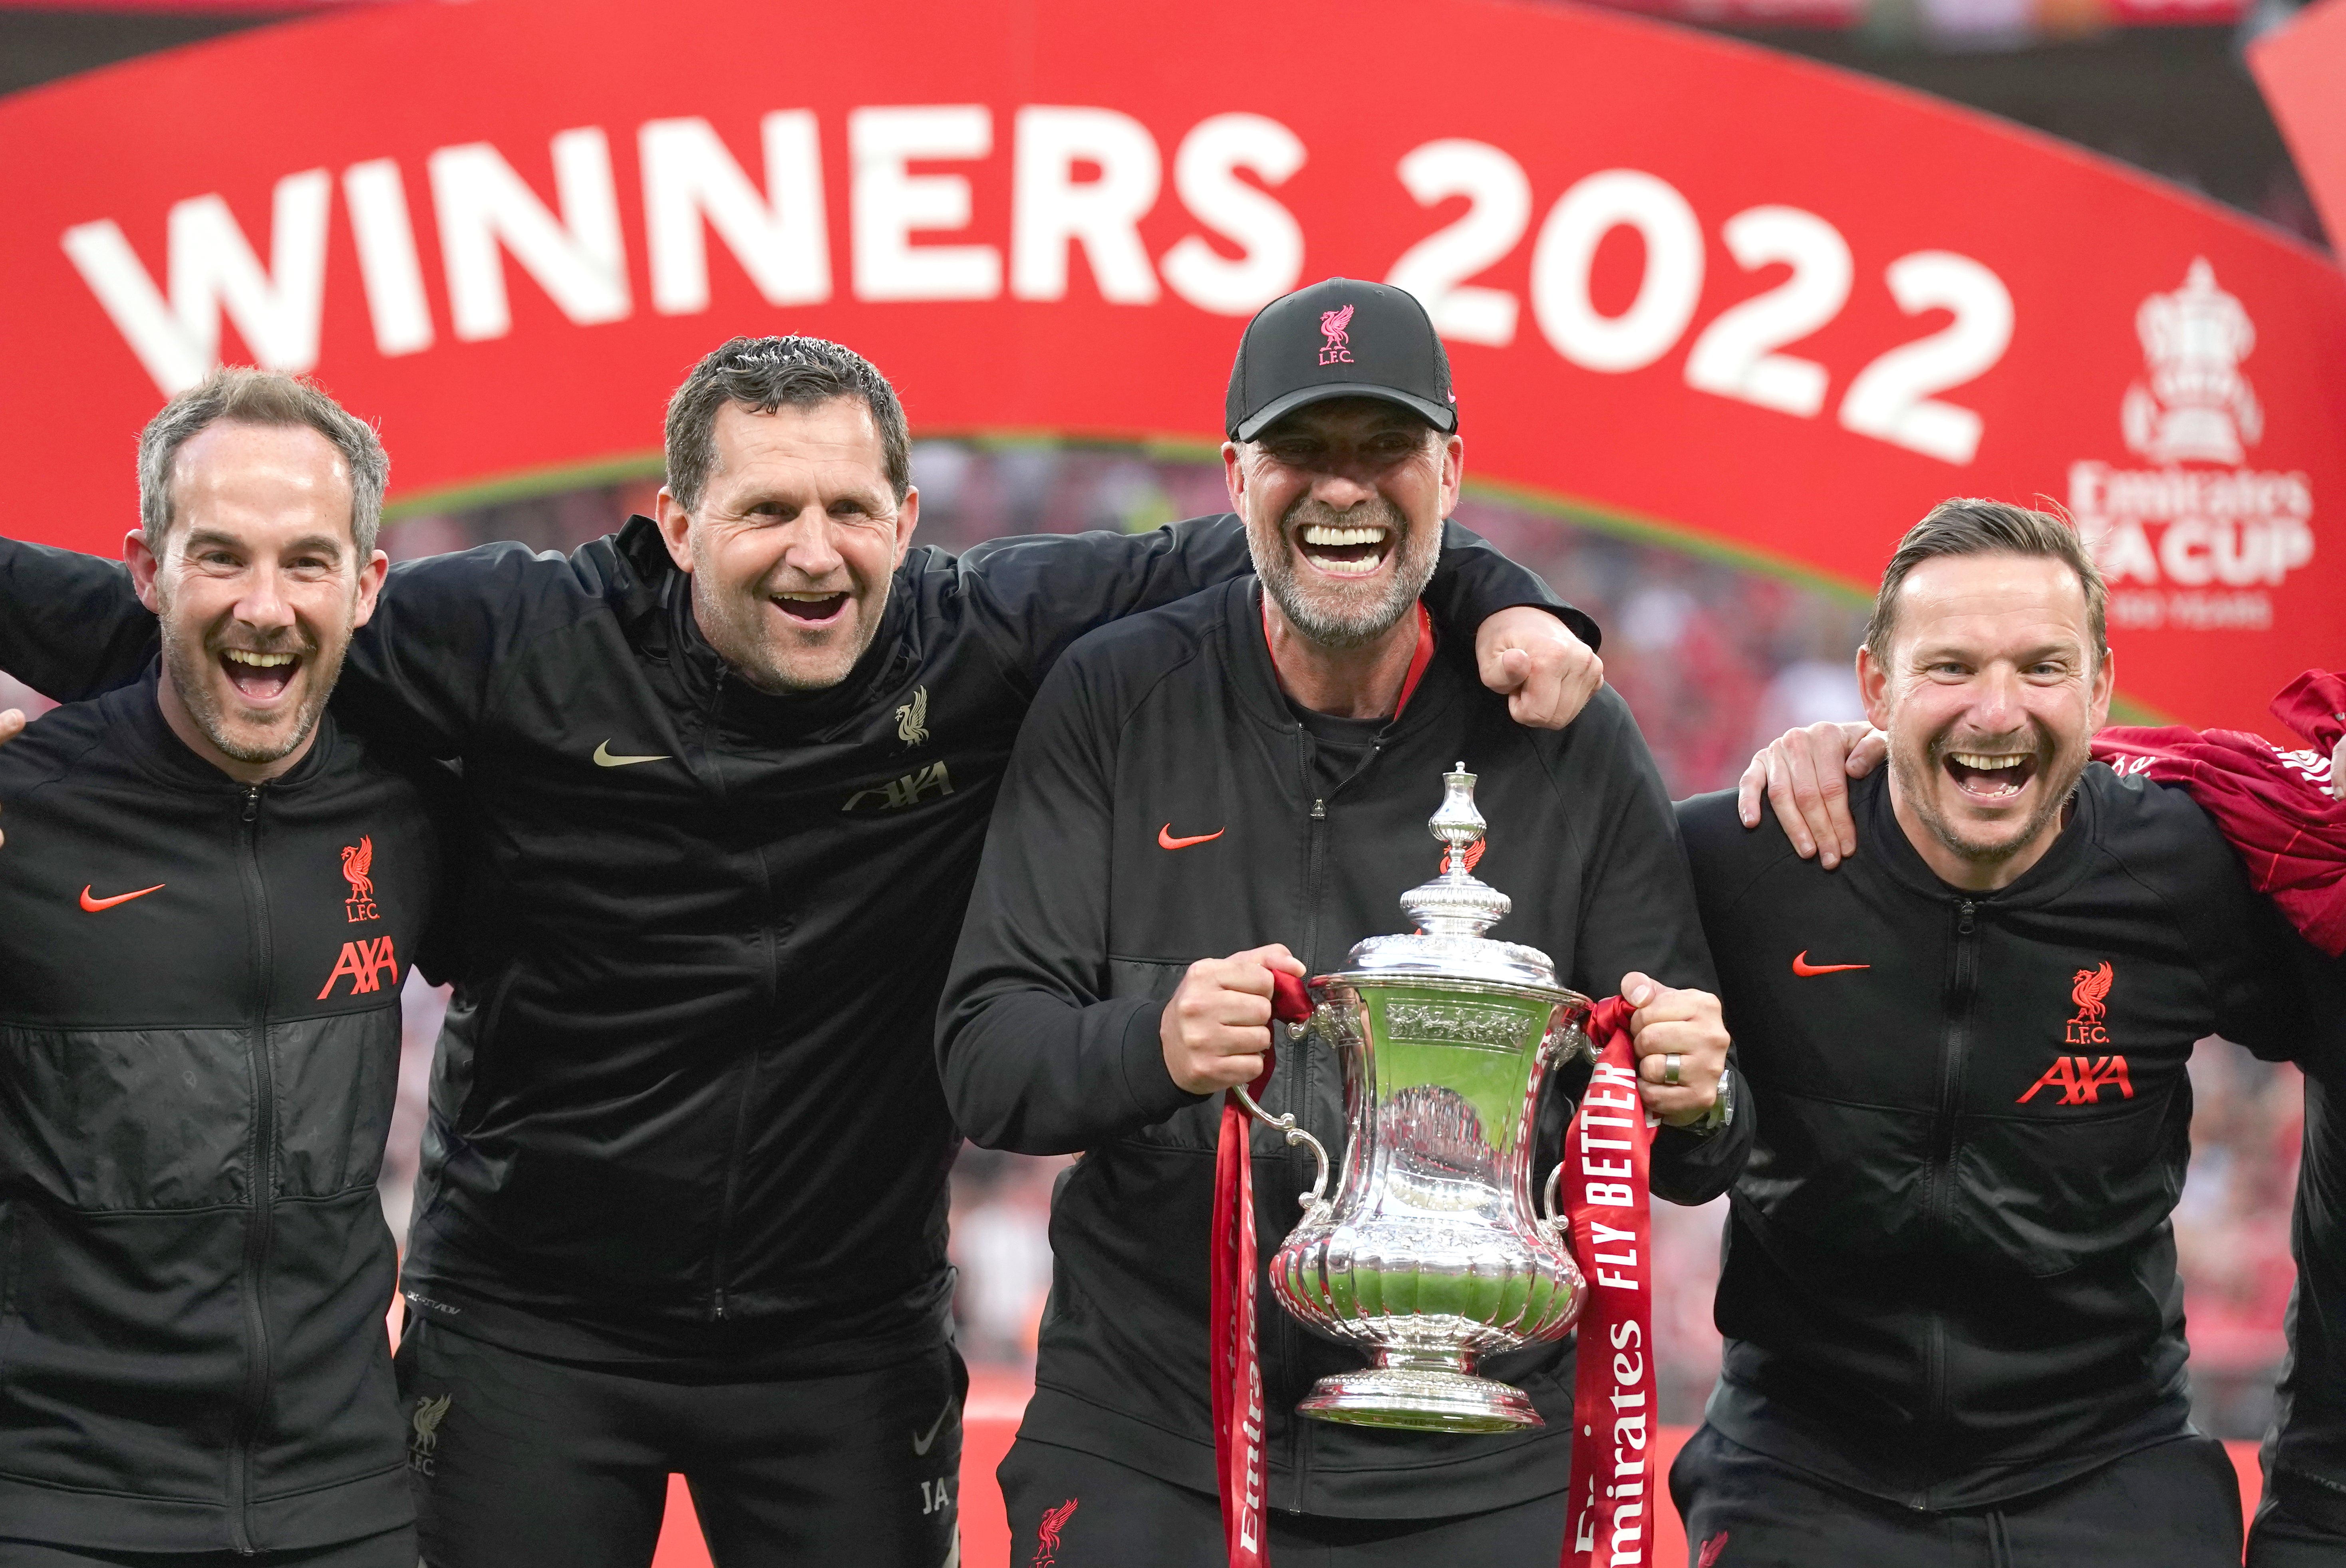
column 1332, row 325
column 428, row 1413
column 2091, row 985
column 357, row 860
column 1046, row 1534
column 913, row 719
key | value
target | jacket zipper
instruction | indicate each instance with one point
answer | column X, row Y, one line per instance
column 259, row 1226
column 1963, row 981
column 720, row 1258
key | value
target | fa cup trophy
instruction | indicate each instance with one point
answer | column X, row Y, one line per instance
column 1431, row 1255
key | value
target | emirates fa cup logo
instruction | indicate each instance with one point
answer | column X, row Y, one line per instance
column 2197, row 405
column 1337, row 350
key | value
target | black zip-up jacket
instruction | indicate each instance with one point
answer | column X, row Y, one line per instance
column 685, row 1113
column 2305, row 1454
column 199, row 1053
column 1173, row 726
column 1948, row 1273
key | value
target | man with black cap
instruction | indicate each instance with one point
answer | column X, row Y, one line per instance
column 1237, row 787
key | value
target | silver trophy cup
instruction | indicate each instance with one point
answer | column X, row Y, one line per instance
column 1431, row 1255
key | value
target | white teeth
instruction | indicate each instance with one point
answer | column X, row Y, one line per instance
column 258, row 660
column 810, row 598
column 1345, row 568
column 1986, row 763
column 1322, row 534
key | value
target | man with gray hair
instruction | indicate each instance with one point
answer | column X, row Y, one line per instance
column 209, row 896
column 726, row 772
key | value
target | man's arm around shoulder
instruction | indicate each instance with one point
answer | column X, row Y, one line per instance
column 71, row 626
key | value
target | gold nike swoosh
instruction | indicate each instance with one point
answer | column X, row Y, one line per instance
column 921, row 1443
column 603, row 758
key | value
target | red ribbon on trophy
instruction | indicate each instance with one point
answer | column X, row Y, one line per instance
column 1609, row 1513
column 1237, row 1359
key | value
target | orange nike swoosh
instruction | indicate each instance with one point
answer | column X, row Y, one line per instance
column 1802, row 965
column 1165, row 841
column 94, row 905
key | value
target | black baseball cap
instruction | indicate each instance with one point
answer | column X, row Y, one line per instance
column 1343, row 338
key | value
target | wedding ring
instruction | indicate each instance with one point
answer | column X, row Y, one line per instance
column 1670, row 1067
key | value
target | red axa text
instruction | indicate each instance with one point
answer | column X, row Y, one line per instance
column 366, row 961
column 2081, row 1080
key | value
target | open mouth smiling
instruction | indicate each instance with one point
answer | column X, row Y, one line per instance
column 260, row 677
column 1345, row 550
column 1990, row 777
column 810, row 609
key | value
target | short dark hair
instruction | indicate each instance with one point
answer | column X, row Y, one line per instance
column 1964, row 526
column 242, row 395
column 763, row 374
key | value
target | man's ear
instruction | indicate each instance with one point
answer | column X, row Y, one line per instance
column 1873, row 686
column 908, row 517
column 1453, row 472
column 2103, row 682
column 144, row 569
column 675, row 527
column 1234, row 477
column 371, row 576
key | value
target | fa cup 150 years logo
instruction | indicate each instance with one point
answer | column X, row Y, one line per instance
column 2195, row 542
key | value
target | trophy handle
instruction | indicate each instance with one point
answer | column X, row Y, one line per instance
column 1565, row 1041
column 1554, row 1226
column 1315, row 1202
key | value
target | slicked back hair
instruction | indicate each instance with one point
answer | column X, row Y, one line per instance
column 763, row 374
column 1964, row 526
column 242, row 395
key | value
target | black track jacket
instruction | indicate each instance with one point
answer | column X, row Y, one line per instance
column 199, row 1053
column 1950, row 1277
column 2305, row 1455
column 1083, row 922
column 685, row 1113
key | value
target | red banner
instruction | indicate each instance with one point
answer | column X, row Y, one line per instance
column 1688, row 284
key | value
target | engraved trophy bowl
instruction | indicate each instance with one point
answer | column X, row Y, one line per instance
column 1431, row 1255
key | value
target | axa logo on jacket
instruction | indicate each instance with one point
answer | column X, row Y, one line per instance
column 2082, row 1078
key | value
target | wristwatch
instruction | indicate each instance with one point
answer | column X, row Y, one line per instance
column 1721, row 1112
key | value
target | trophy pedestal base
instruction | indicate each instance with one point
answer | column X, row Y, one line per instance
column 1416, row 1397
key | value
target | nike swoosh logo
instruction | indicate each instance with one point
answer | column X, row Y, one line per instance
column 921, row 1443
column 1165, row 841
column 94, row 905
column 1802, row 965
column 603, row 757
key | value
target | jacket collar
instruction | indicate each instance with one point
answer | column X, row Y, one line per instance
column 136, row 712
column 2063, row 864
column 1256, row 680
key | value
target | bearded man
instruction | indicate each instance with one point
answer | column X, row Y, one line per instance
column 1237, row 787
column 1954, row 1331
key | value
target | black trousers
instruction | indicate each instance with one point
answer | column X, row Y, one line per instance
column 519, row 1462
column 1101, row 1514
column 392, row 1548
column 2281, row 1538
column 2177, row 1505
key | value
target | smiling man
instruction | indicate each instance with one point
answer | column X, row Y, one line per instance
column 1954, row 1333
column 726, row 773
column 209, row 897
column 1235, row 787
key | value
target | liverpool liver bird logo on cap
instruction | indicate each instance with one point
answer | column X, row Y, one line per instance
column 1337, row 350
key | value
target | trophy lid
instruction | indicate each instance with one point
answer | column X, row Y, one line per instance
column 1453, row 911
